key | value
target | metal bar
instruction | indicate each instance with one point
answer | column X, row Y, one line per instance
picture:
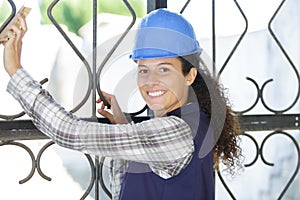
column 25, row 130
column 155, row 4
column 19, row 130
column 115, row 46
column 288, row 59
column 184, row 6
column 94, row 50
column 269, row 122
column 11, row 16
column 239, row 39
column 97, row 177
column 213, row 23
column 76, row 50
column 94, row 92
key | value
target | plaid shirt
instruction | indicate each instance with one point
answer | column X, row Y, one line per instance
column 165, row 143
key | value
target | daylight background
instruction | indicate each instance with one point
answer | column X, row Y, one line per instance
column 46, row 54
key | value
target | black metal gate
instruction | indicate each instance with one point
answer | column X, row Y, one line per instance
column 272, row 122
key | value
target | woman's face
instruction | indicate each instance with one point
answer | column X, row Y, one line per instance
column 162, row 84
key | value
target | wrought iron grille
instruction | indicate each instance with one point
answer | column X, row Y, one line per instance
column 14, row 129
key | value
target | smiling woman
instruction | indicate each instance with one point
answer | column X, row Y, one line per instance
column 163, row 85
column 170, row 156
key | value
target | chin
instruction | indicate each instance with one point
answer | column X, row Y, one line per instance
column 157, row 108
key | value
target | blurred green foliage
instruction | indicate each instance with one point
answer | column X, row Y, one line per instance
column 75, row 13
column 5, row 10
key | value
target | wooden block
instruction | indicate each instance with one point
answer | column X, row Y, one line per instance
column 24, row 11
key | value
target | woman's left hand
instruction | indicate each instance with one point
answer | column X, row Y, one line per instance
column 116, row 115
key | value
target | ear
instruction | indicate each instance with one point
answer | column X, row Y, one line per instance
column 190, row 77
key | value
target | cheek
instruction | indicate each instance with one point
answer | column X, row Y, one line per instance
column 176, row 82
column 141, row 87
column 141, row 82
column 178, row 87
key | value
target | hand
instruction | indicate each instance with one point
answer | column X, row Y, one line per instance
column 117, row 116
column 13, row 45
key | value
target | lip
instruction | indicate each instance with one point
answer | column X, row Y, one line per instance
column 156, row 93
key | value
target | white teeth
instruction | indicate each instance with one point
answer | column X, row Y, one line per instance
column 155, row 94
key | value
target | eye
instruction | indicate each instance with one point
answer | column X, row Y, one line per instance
column 143, row 71
column 164, row 69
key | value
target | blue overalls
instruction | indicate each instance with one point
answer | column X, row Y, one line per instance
column 195, row 182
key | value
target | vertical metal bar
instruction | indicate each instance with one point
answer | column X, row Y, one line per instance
column 97, row 177
column 155, row 4
column 214, row 58
column 214, row 38
column 94, row 85
column 94, row 90
column 150, row 5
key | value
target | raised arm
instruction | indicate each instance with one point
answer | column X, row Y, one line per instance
column 13, row 45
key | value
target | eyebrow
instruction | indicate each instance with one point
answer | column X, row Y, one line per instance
column 159, row 64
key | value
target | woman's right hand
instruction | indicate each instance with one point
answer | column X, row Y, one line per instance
column 13, row 45
column 116, row 115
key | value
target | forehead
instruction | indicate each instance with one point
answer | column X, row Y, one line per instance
column 157, row 61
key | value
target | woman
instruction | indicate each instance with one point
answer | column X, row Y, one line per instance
column 169, row 157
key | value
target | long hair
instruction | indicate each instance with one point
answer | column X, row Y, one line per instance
column 226, row 148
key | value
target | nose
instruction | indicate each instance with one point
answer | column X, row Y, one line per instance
column 152, row 78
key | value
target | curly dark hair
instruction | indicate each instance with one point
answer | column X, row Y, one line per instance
column 208, row 91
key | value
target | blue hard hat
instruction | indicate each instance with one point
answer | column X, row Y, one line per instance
column 164, row 34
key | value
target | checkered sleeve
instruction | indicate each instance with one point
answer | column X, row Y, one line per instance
column 164, row 142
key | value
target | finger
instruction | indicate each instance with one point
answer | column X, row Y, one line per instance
column 102, row 106
column 106, row 96
column 107, row 115
column 2, row 40
column 17, row 30
column 104, row 93
column 105, row 99
column 11, row 35
column 12, row 32
column 22, row 23
column 98, row 100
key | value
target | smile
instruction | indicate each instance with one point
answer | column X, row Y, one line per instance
column 156, row 93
